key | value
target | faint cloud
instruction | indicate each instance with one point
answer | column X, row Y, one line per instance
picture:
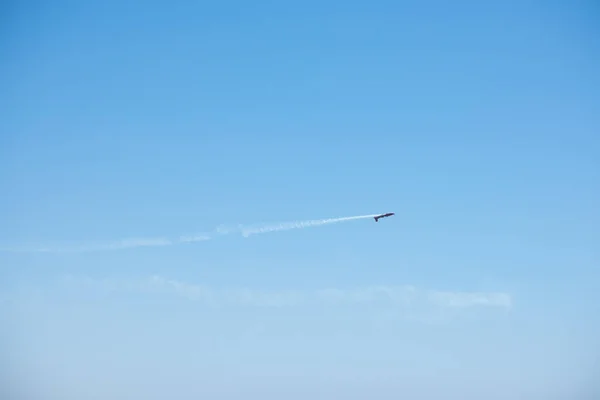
column 189, row 291
column 396, row 297
column 461, row 299
column 331, row 295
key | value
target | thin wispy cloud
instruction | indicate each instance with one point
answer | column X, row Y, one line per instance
column 401, row 296
column 461, row 300
column 244, row 230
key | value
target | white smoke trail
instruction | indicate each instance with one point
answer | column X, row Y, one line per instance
column 284, row 226
column 246, row 231
column 92, row 246
column 194, row 238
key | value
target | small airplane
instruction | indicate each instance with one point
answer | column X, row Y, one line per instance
column 383, row 216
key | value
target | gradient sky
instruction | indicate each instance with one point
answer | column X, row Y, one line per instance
column 476, row 122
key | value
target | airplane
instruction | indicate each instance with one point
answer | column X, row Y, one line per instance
column 383, row 216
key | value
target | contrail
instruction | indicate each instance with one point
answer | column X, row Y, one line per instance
column 284, row 226
column 245, row 231
column 89, row 247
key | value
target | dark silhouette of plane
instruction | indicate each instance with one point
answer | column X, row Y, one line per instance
column 383, row 216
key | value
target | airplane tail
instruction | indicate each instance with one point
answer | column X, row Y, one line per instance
column 376, row 219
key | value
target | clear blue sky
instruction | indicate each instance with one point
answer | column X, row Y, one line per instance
column 477, row 122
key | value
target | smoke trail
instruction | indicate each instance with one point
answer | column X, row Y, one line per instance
column 92, row 246
column 195, row 238
column 246, row 231
column 298, row 225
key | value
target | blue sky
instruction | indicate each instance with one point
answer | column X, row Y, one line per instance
column 477, row 123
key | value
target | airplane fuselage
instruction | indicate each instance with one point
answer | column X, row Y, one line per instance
column 383, row 216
